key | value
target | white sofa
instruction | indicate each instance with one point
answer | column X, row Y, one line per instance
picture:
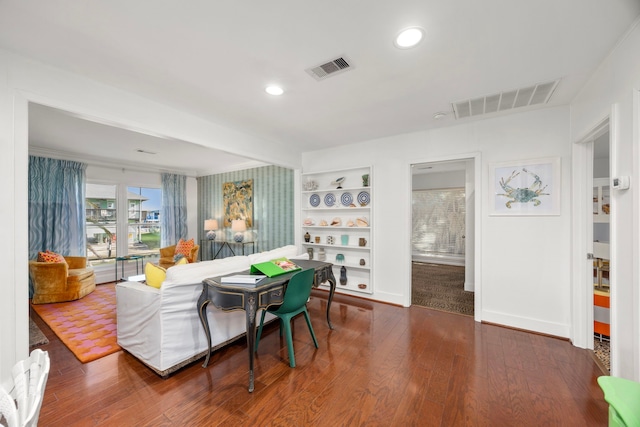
column 161, row 327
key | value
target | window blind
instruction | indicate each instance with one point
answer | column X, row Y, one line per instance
column 438, row 221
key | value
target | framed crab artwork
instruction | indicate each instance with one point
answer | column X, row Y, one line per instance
column 530, row 187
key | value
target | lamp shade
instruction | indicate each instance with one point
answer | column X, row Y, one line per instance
column 210, row 224
column 238, row 225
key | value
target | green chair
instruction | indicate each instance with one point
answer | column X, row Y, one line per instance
column 295, row 302
column 623, row 397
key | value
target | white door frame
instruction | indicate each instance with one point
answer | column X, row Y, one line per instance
column 582, row 237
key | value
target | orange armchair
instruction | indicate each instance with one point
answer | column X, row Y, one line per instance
column 61, row 281
column 167, row 254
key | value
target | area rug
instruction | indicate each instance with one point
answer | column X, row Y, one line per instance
column 36, row 336
column 86, row 326
column 440, row 287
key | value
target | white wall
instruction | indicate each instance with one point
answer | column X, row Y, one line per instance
column 22, row 81
column 523, row 262
column 613, row 90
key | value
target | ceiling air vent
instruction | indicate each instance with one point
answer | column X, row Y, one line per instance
column 330, row 68
column 508, row 100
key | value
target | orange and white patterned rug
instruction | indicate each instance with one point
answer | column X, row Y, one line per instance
column 86, row 326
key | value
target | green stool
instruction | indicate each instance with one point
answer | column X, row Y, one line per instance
column 623, row 397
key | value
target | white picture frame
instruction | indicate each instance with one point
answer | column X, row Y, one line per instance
column 528, row 187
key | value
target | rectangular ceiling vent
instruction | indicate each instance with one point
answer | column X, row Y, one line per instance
column 330, row 68
column 531, row 95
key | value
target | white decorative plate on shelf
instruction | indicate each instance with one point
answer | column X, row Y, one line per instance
column 346, row 199
column 363, row 198
column 314, row 200
column 329, row 199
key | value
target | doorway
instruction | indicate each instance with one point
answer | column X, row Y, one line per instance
column 592, row 258
column 442, row 238
column 601, row 248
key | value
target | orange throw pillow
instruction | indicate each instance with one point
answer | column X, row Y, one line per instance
column 184, row 247
column 48, row 256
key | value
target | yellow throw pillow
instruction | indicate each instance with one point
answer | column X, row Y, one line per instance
column 154, row 275
column 181, row 261
column 184, row 247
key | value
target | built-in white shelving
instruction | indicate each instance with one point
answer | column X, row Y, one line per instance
column 347, row 205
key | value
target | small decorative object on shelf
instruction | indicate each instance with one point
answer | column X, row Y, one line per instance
column 362, row 286
column 317, row 239
column 340, row 258
column 365, row 180
column 310, row 252
column 307, row 237
column 322, row 256
column 362, row 222
column 345, row 239
column 362, row 261
column 310, row 185
column 362, row 241
column 338, row 182
column 329, row 240
column 308, row 222
column 335, row 222
column 343, row 275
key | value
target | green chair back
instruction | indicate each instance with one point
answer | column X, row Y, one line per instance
column 623, row 397
column 294, row 302
column 297, row 292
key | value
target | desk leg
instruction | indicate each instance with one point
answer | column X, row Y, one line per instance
column 251, row 306
column 332, row 290
column 203, row 301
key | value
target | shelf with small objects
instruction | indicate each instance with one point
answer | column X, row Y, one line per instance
column 336, row 224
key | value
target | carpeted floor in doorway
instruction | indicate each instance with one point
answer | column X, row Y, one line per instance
column 440, row 287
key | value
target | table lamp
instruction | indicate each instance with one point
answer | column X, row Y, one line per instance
column 211, row 225
column 239, row 226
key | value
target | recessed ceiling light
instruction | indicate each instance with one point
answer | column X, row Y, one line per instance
column 274, row 90
column 409, row 37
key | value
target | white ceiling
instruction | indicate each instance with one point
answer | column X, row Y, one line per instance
column 213, row 59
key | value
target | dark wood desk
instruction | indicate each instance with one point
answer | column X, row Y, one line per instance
column 230, row 297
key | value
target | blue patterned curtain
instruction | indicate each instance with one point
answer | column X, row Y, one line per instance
column 173, row 219
column 56, row 207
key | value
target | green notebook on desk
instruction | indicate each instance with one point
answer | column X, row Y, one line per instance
column 275, row 267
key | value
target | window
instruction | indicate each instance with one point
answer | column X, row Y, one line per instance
column 140, row 225
column 438, row 221
column 101, row 221
column 144, row 220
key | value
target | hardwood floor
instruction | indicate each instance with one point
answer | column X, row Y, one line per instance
column 381, row 366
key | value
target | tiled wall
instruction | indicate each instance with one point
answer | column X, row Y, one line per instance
column 273, row 209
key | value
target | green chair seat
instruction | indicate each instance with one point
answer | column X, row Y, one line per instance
column 295, row 302
column 623, row 397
